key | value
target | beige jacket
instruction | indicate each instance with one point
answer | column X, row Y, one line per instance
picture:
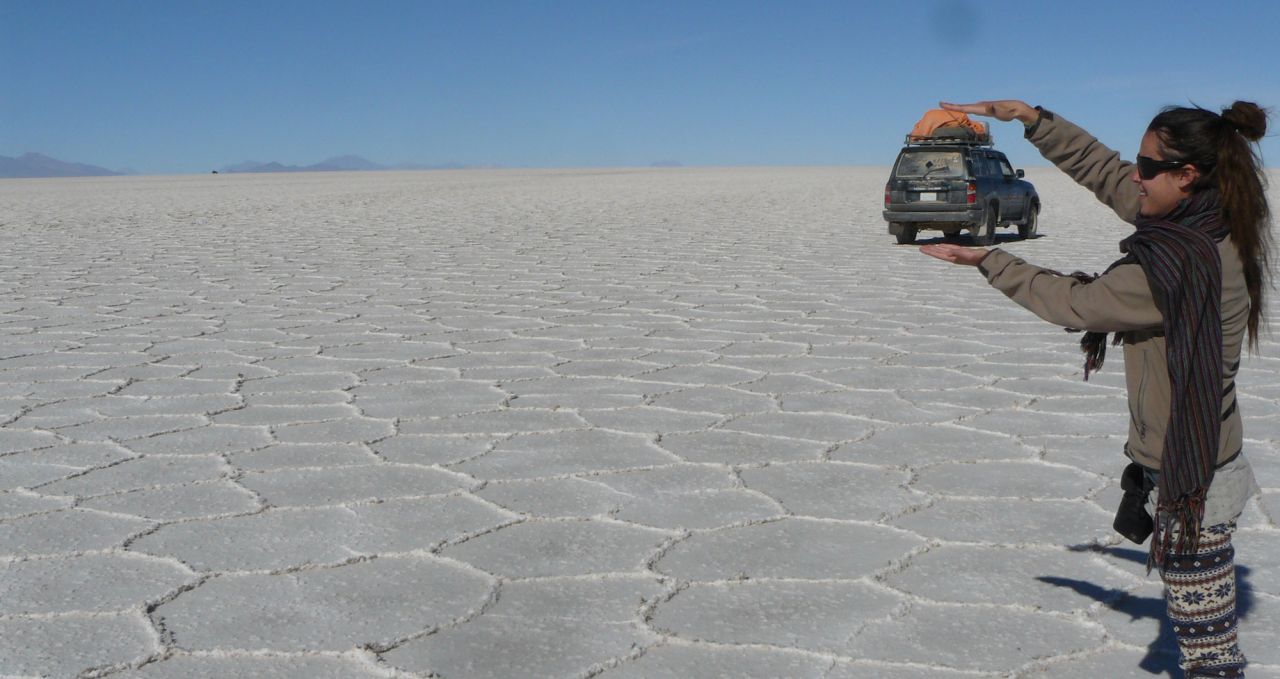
column 1121, row 300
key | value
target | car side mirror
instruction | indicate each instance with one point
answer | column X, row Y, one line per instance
column 1020, row 174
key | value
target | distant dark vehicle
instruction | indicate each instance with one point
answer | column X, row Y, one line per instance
column 953, row 180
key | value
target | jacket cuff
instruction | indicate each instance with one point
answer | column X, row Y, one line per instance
column 1035, row 125
column 995, row 263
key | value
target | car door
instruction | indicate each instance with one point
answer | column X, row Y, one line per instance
column 1012, row 200
column 978, row 170
column 988, row 178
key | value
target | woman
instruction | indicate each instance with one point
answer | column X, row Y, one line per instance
column 1180, row 301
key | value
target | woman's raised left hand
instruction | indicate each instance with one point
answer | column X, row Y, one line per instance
column 1000, row 109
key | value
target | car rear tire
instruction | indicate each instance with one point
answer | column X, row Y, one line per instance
column 1027, row 229
column 985, row 234
column 907, row 235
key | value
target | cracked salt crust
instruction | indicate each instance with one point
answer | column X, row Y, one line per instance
column 560, row 423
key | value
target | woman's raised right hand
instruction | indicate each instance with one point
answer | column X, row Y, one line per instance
column 1002, row 109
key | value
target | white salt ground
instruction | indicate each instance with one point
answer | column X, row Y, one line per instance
column 616, row 423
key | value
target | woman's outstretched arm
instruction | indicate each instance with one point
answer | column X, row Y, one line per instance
column 1118, row 300
column 1073, row 150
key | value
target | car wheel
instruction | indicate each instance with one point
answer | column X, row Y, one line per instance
column 907, row 235
column 985, row 234
column 1028, row 228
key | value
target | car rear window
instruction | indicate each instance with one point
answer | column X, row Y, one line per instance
column 932, row 164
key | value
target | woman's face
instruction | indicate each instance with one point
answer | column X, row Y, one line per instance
column 1159, row 195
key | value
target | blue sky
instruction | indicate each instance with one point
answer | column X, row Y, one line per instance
column 167, row 87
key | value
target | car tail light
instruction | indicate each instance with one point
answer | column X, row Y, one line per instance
column 971, row 193
column 886, row 195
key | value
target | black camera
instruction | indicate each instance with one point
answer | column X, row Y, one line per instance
column 1132, row 519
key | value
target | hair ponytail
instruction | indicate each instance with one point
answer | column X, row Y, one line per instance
column 1247, row 119
column 1243, row 185
column 1223, row 147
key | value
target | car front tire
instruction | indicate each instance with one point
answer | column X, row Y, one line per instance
column 1027, row 229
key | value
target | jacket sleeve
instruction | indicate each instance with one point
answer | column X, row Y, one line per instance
column 1116, row 301
column 1088, row 161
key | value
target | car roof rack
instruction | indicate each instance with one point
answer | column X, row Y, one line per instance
column 982, row 140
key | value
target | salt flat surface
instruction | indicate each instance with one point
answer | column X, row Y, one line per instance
column 635, row 423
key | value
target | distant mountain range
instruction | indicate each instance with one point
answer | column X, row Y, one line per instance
column 341, row 164
column 30, row 165
column 37, row 165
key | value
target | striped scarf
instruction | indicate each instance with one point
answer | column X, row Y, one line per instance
column 1179, row 255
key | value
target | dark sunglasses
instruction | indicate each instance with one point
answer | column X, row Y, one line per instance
column 1148, row 168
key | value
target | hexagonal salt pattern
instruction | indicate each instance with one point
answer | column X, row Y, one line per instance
column 88, row 583
column 974, row 638
column 706, row 660
column 809, row 615
column 180, row 666
column 640, row 423
column 66, row 646
column 379, row 602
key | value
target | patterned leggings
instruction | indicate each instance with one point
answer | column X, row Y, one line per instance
column 1200, row 590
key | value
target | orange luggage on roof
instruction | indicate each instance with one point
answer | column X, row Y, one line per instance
column 936, row 118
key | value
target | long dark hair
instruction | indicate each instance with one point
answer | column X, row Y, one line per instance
column 1223, row 147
